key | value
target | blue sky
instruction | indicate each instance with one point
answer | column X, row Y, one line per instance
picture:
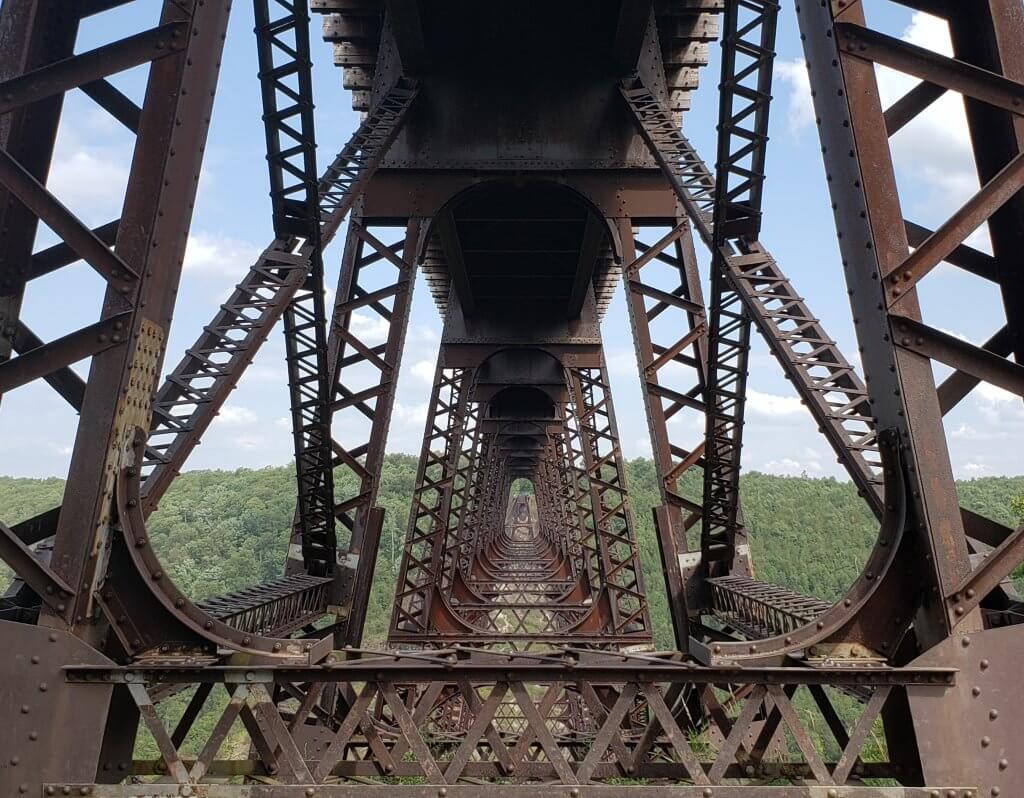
column 232, row 224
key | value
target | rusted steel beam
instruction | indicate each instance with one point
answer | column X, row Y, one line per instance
column 60, row 76
column 151, row 241
column 60, row 255
column 35, row 573
column 1003, row 187
column 993, row 570
column 212, row 366
column 34, row 33
column 63, row 380
column 58, row 218
column 868, row 209
column 981, row 363
column 49, row 358
column 949, row 73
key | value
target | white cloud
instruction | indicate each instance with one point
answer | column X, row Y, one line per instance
column 236, row 415
column 284, row 422
column 249, row 442
column 89, row 183
column 424, row 370
column 975, row 469
column 425, row 332
column 212, row 255
column 410, row 415
column 769, row 404
column 369, row 329
column 784, row 465
column 993, row 394
column 799, row 106
column 934, row 149
column 622, row 363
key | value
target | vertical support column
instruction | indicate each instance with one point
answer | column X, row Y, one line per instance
column 874, row 245
column 362, row 376
column 989, row 35
column 465, row 469
column 663, row 292
column 151, row 241
column 610, row 516
column 423, row 555
column 33, row 33
column 286, row 83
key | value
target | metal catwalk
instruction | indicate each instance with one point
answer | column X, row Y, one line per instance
column 527, row 159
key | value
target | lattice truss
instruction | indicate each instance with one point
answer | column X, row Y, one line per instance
column 520, row 654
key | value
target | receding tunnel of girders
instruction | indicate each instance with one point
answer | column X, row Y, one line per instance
column 522, row 579
column 521, row 249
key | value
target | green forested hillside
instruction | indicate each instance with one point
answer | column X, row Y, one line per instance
column 221, row 530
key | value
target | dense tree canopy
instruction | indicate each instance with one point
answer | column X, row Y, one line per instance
column 218, row 531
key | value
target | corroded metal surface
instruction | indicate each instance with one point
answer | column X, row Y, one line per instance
column 526, row 161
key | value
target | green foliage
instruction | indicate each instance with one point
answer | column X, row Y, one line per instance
column 218, row 531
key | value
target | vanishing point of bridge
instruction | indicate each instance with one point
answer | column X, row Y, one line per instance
column 528, row 159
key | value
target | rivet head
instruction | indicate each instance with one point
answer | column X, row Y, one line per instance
column 442, row 792
column 310, row 791
column 833, row 794
column 993, row 714
column 986, row 741
column 1003, row 764
column 984, row 664
column 708, row 792
column 574, row 793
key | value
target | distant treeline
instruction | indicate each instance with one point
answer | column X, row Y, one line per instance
column 221, row 530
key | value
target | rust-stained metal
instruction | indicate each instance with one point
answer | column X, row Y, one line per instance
column 521, row 657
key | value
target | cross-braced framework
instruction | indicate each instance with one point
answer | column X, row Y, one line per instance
column 520, row 657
